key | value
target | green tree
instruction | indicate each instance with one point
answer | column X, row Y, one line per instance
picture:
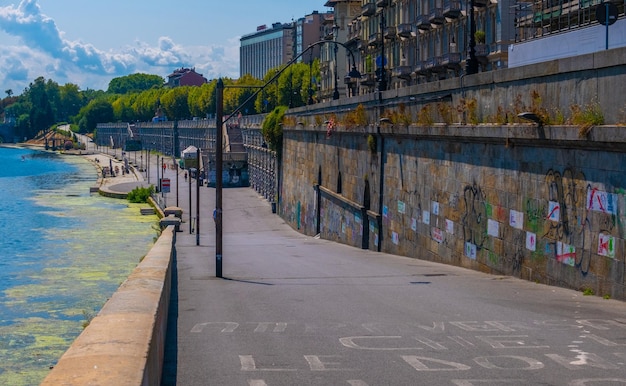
column 235, row 97
column 146, row 103
column 201, row 100
column 272, row 129
column 267, row 99
column 71, row 101
column 134, row 83
column 97, row 111
column 123, row 107
column 41, row 116
column 174, row 103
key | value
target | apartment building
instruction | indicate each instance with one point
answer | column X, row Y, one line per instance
column 265, row 49
column 416, row 41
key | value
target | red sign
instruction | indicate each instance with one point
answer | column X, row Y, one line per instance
column 165, row 185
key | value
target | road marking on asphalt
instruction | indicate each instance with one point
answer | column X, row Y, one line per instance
column 317, row 364
column 248, row 364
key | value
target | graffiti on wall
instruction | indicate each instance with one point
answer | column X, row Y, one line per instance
column 474, row 220
column 581, row 219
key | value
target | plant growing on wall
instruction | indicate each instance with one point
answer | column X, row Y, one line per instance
column 445, row 111
column 356, row 118
column 424, row 116
column 586, row 117
column 400, row 116
column 480, row 36
column 272, row 129
column 371, row 143
column 537, row 107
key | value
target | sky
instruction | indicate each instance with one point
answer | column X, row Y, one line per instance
column 88, row 43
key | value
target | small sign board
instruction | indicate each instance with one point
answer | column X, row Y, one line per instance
column 165, row 185
column 606, row 13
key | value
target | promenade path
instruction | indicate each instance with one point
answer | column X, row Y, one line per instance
column 297, row 310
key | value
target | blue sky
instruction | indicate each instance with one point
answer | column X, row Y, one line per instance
column 89, row 42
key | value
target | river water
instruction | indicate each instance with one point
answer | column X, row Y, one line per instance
column 63, row 253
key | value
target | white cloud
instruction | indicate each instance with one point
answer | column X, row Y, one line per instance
column 42, row 51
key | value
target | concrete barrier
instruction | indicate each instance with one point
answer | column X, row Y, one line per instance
column 125, row 342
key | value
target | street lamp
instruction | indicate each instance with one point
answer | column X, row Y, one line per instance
column 471, row 64
column 335, row 32
column 220, row 121
column 382, row 76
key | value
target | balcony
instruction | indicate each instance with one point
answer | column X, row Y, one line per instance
column 368, row 79
column 374, row 40
column 481, row 50
column 382, row 3
column 422, row 22
column 450, row 60
column 430, row 64
column 434, row 64
column 436, row 16
column 421, row 70
column 452, row 9
column 402, row 72
column 390, row 33
column 405, row 30
column 368, row 9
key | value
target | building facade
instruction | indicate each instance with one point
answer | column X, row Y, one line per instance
column 185, row 77
column 265, row 49
column 417, row 41
column 309, row 29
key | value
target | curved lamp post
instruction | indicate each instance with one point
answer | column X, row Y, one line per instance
column 219, row 151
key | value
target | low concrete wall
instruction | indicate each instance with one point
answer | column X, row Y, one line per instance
column 125, row 342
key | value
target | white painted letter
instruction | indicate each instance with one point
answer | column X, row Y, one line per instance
column 418, row 364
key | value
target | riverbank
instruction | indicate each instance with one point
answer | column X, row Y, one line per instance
column 66, row 255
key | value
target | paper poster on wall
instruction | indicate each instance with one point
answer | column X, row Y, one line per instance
column 395, row 238
column 450, row 226
column 554, row 211
column 516, row 219
column 470, row 250
column 493, row 228
column 376, row 239
column 401, row 207
column 435, row 208
column 565, row 253
column 437, row 235
column 385, row 211
column 601, row 201
column 606, row 245
column 343, row 227
column 426, row 217
column 413, row 224
column 531, row 241
column 372, row 226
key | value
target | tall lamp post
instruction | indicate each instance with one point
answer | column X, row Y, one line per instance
column 335, row 32
column 471, row 64
column 221, row 121
column 382, row 76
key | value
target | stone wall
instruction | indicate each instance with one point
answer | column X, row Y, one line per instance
column 539, row 203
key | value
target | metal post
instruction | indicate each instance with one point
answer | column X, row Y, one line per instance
column 336, row 92
column 198, row 199
column 471, row 65
column 190, row 217
column 219, row 117
column 176, row 169
column 382, row 84
column 148, row 164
